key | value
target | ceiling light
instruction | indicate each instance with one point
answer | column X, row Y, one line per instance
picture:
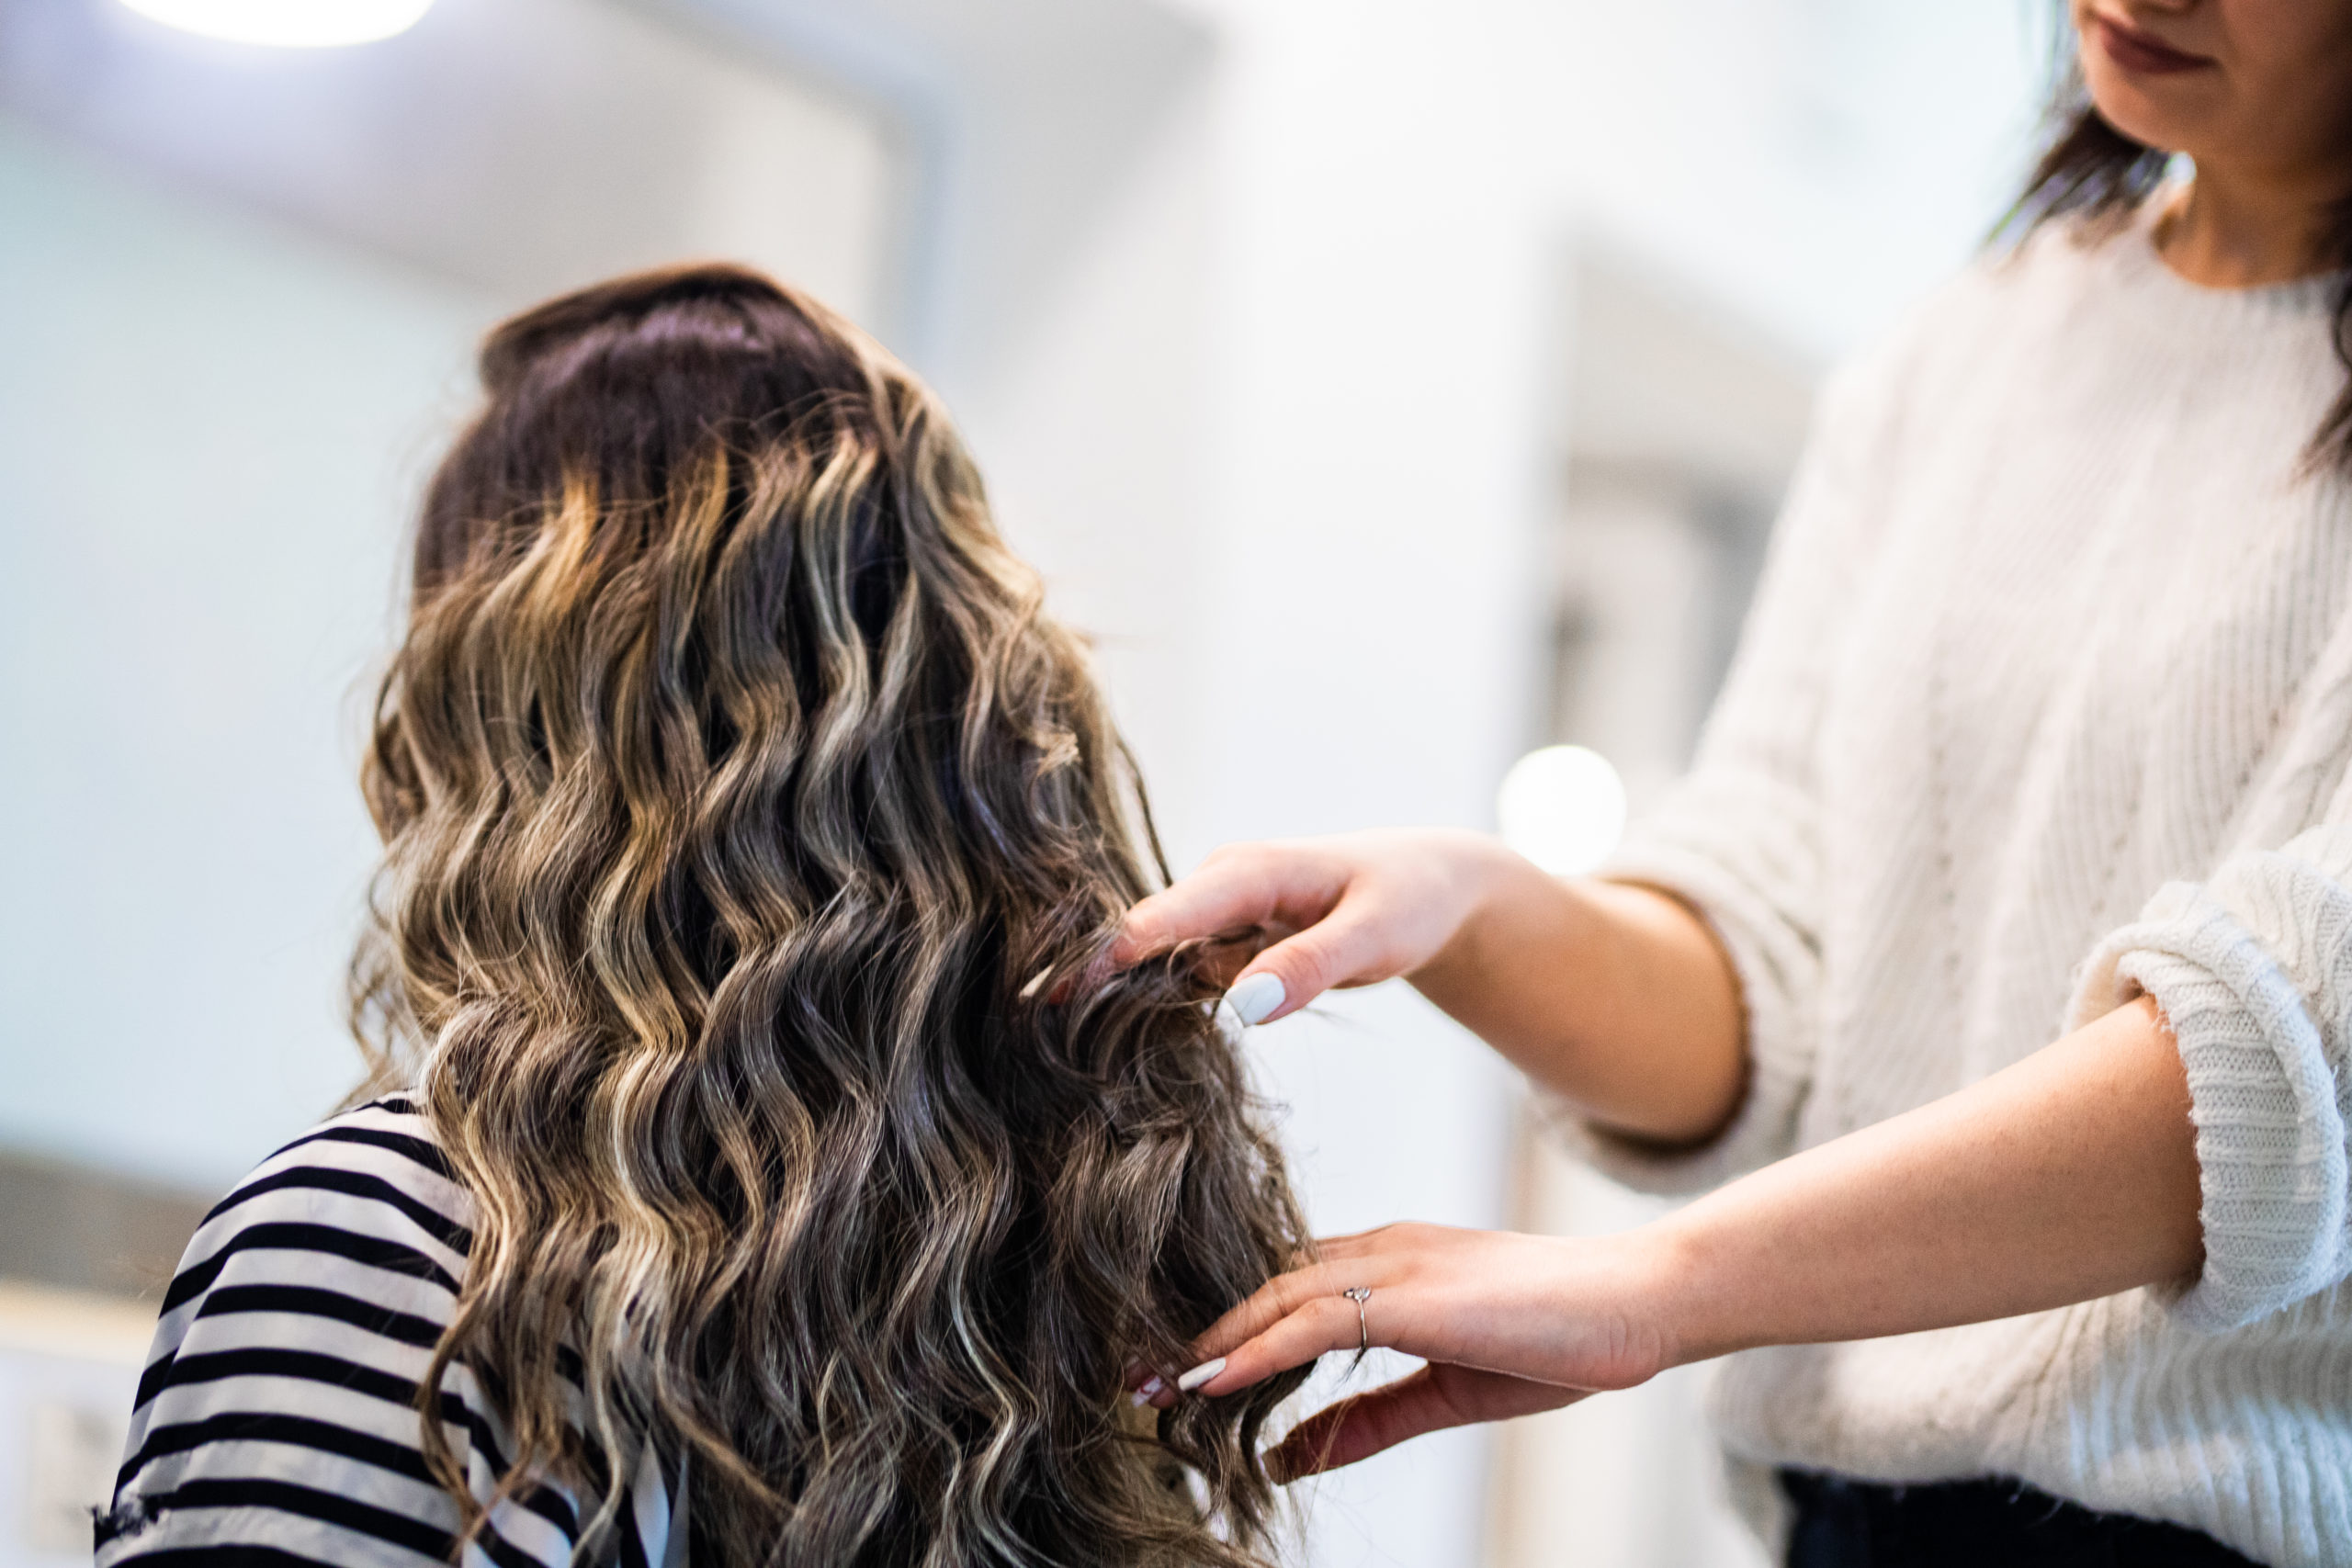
column 288, row 24
column 1562, row 808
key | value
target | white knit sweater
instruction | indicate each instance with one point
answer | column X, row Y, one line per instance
column 2046, row 698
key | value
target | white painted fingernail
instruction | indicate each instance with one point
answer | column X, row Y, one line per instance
column 1146, row 1394
column 1256, row 996
column 1207, row 1370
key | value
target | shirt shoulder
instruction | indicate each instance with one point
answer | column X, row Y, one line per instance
column 365, row 1204
column 281, row 1416
column 277, row 1416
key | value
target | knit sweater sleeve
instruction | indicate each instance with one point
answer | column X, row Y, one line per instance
column 1738, row 838
column 2253, row 969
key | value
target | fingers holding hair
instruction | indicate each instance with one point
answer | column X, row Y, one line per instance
column 1283, row 922
column 1239, row 892
column 1294, row 1318
column 1262, row 915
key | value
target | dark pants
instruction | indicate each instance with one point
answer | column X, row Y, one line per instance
column 1977, row 1524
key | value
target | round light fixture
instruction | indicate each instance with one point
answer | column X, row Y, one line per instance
column 1562, row 808
column 287, row 24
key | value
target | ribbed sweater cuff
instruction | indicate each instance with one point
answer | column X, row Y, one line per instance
column 1779, row 1043
column 2270, row 1138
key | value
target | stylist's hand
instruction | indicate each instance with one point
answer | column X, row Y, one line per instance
column 1292, row 918
column 1510, row 1325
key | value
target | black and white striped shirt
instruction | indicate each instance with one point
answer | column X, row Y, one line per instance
column 276, row 1422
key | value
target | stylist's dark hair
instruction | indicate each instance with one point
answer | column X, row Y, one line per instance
column 2093, row 172
column 751, row 839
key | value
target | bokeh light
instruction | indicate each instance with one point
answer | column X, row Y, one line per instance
column 1562, row 808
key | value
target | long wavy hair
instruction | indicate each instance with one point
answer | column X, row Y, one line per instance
column 752, row 837
column 2091, row 173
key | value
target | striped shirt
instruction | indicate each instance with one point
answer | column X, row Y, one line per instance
column 277, row 1421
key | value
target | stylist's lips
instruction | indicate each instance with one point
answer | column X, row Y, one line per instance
column 2142, row 54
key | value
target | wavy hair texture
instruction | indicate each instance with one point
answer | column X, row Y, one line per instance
column 751, row 836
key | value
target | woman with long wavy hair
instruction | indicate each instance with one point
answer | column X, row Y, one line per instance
column 757, row 1167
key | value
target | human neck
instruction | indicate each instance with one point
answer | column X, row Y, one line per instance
column 2226, row 230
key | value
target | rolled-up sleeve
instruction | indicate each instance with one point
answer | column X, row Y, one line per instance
column 1740, row 838
column 1752, row 891
column 2253, row 969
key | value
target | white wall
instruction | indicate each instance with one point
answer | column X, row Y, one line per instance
column 1814, row 165
column 209, row 429
column 1272, row 442
column 1363, row 646
column 231, row 345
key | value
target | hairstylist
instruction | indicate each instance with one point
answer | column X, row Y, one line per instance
column 2038, row 732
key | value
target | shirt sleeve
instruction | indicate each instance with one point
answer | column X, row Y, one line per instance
column 2253, row 969
column 1740, row 838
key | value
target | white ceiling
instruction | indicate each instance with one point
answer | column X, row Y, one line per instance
column 922, row 164
column 518, row 146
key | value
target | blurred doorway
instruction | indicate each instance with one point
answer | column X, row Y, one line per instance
column 1675, row 430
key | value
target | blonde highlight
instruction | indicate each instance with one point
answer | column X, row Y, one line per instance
column 751, row 836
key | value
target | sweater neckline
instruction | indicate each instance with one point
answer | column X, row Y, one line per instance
column 2138, row 258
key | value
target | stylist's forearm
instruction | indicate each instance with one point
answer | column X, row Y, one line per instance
column 2070, row 1175
column 1616, row 996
